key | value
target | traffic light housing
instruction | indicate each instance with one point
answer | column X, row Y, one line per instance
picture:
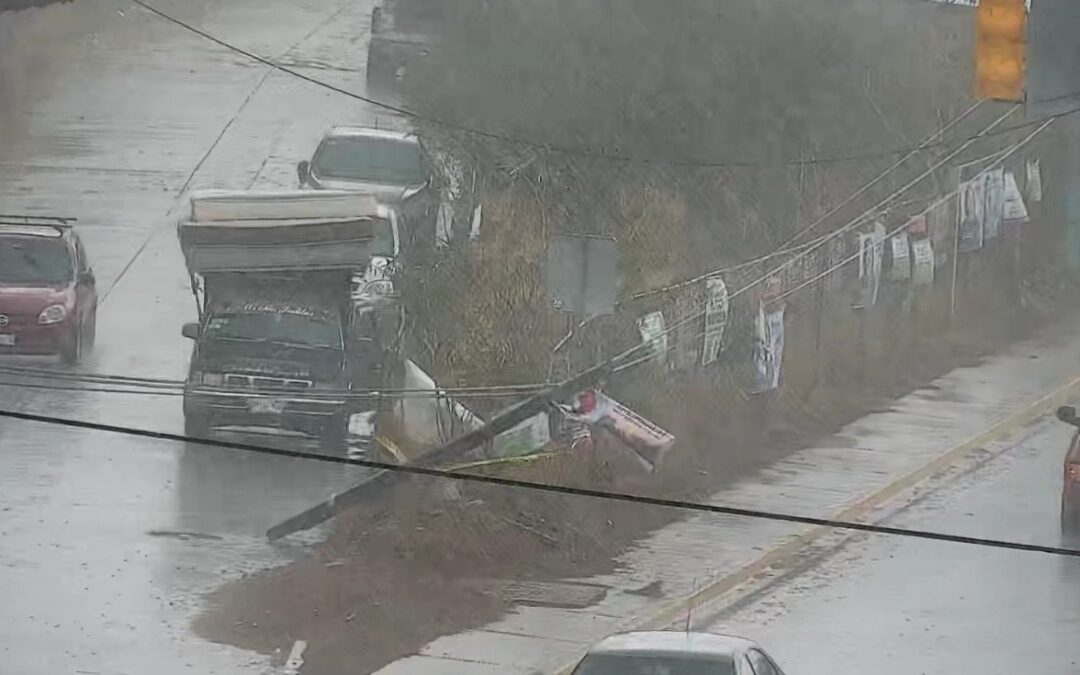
column 1001, row 49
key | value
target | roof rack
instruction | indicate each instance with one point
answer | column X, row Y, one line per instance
column 22, row 219
column 58, row 223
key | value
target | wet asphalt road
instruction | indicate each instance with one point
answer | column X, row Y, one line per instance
column 895, row 606
column 109, row 114
column 106, row 542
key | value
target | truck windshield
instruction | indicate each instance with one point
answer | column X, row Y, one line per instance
column 33, row 260
column 295, row 330
column 386, row 161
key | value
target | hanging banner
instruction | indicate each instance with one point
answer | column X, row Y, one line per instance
column 688, row 330
column 651, row 327
column 1034, row 180
column 769, row 347
column 922, row 254
column 918, row 226
column 970, row 223
column 871, row 250
column 1015, row 211
column 942, row 226
column 648, row 441
column 901, row 258
column 835, row 254
column 994, row 207
column 716, row 318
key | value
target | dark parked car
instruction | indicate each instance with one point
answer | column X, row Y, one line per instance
column 48, row 299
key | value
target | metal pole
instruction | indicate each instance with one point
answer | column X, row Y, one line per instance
column 376, row 483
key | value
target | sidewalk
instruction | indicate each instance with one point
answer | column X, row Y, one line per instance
column 846, row 474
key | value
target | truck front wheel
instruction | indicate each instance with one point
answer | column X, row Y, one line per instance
column 333, row 434
column 196, row 425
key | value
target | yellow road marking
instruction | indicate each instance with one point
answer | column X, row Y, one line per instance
column 677, row 609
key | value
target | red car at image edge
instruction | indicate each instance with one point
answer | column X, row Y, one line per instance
column 1070, row 489
column 48, row 299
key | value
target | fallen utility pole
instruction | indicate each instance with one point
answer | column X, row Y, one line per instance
column 378, row 481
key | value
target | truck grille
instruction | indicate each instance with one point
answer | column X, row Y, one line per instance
column 239, row 381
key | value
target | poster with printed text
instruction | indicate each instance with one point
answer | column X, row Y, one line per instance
column 1015, row 211
column 994, row 203
column 769, row 347
column 922, row 255
column 970, row 224
column 716, row 319
column 901, row 257
column 651, row 327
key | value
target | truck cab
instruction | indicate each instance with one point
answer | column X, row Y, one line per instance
column 282, row 337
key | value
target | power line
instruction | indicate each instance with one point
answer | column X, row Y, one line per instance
column 855, row 195
column 170, row 384
column 429, row 472
column 820, row 241
column 583, row 153
column 305, row 396
column 1000, row 157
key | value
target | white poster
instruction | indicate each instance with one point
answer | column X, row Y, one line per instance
column 871, row 249
column 922, row 253
column 651, row 327
column 716, row 318
column 527, row 438
column 941, row 223
column 994, row 208
column 1015, row 211
column 972, row 203
column 901, row 257
column 769, row 347
column 1034, row 180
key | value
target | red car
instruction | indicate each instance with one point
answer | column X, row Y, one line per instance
column 48, row 299
column 1070, row 490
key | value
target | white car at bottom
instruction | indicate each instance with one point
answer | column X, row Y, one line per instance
column 676, row 653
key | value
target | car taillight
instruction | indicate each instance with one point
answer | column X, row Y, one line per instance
column 1072, row 472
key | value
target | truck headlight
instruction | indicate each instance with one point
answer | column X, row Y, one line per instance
column 52, row 314
column 380, row 288
column 210, row 379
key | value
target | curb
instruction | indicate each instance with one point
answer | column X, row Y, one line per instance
column 676, row 610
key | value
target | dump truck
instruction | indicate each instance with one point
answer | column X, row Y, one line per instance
column 293, row 317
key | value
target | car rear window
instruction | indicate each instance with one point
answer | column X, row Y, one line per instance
column 385, row 161
column 661, row 664
column 34, row 260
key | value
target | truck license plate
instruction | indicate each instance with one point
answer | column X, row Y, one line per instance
column 7, row 340
column 266, row 405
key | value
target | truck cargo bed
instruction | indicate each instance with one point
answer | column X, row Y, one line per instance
column 289, row 231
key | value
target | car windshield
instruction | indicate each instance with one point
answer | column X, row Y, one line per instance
column 666, row 664
column 282, row 328
column 34, row 260
column 386, row 161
